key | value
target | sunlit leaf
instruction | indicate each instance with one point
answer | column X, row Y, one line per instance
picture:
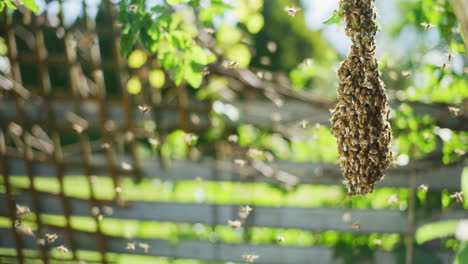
column 462, row 254
column 176, row 2
column 334, row 19
column 193, row 76
column 464, row 187
column 31, row 5
column 127, row 42
column 435, row 230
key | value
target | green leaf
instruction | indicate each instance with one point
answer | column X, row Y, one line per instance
column 334, row 19
column 31, row 5
column 159, row 9
column 168, row 59
column 194, row 76
column 150, row 41
column 10, row 4
column 126, row 44
column 176, row 2
column 436, row 230
column 179, row 73
column 462, row 254
column 198, row 55
column 464, row 187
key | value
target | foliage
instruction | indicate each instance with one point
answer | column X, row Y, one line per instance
column 435, row 230
column 11, row 4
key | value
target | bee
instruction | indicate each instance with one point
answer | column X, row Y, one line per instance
column 144, row 246
column 443, row 66
column 232, row 64
column 393, row 199
column 303, row 123
column 126, row 166
column 62, row 249
column 292, row 10
column 233, row 138
column 144, row 108
column 205, row 71
column 454, row 110
column 209, row 30
column 250, row 258
column 22, row 210
column 427, row 26
column 51, row 237
column 153, row 142
column 244, row 211
column 406, row 74
column 424, row 187
column 355, row 226
column 18, row 223
column 130, row 246
column 458, row 196
column 280, row 239
column 236, row 224
column 449, row 57
column 133, row 8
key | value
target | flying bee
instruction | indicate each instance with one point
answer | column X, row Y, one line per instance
column 236, row 224
column 133, row 8
column 449, row 57
column 130, row 246
column 427, row 25
column 406, row 74
column 280, row 239
column 51, row 237
column 22, row 210
column 424, row 187
column 126, row 166
column 232, row 64
column 458, row 196
column 250, row 258
column 244, row 211
column 393, row 199
column 144, row 108
column 144, row 246
column 454, row 110
column 292, row 10
column 303, row 123
column 62, row 249
column 355, row 226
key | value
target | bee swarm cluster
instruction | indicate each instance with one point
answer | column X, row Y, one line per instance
column 360, row 118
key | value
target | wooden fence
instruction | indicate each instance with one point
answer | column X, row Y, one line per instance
column 70, row 81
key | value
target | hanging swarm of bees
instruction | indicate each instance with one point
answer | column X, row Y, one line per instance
column 360, row 119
